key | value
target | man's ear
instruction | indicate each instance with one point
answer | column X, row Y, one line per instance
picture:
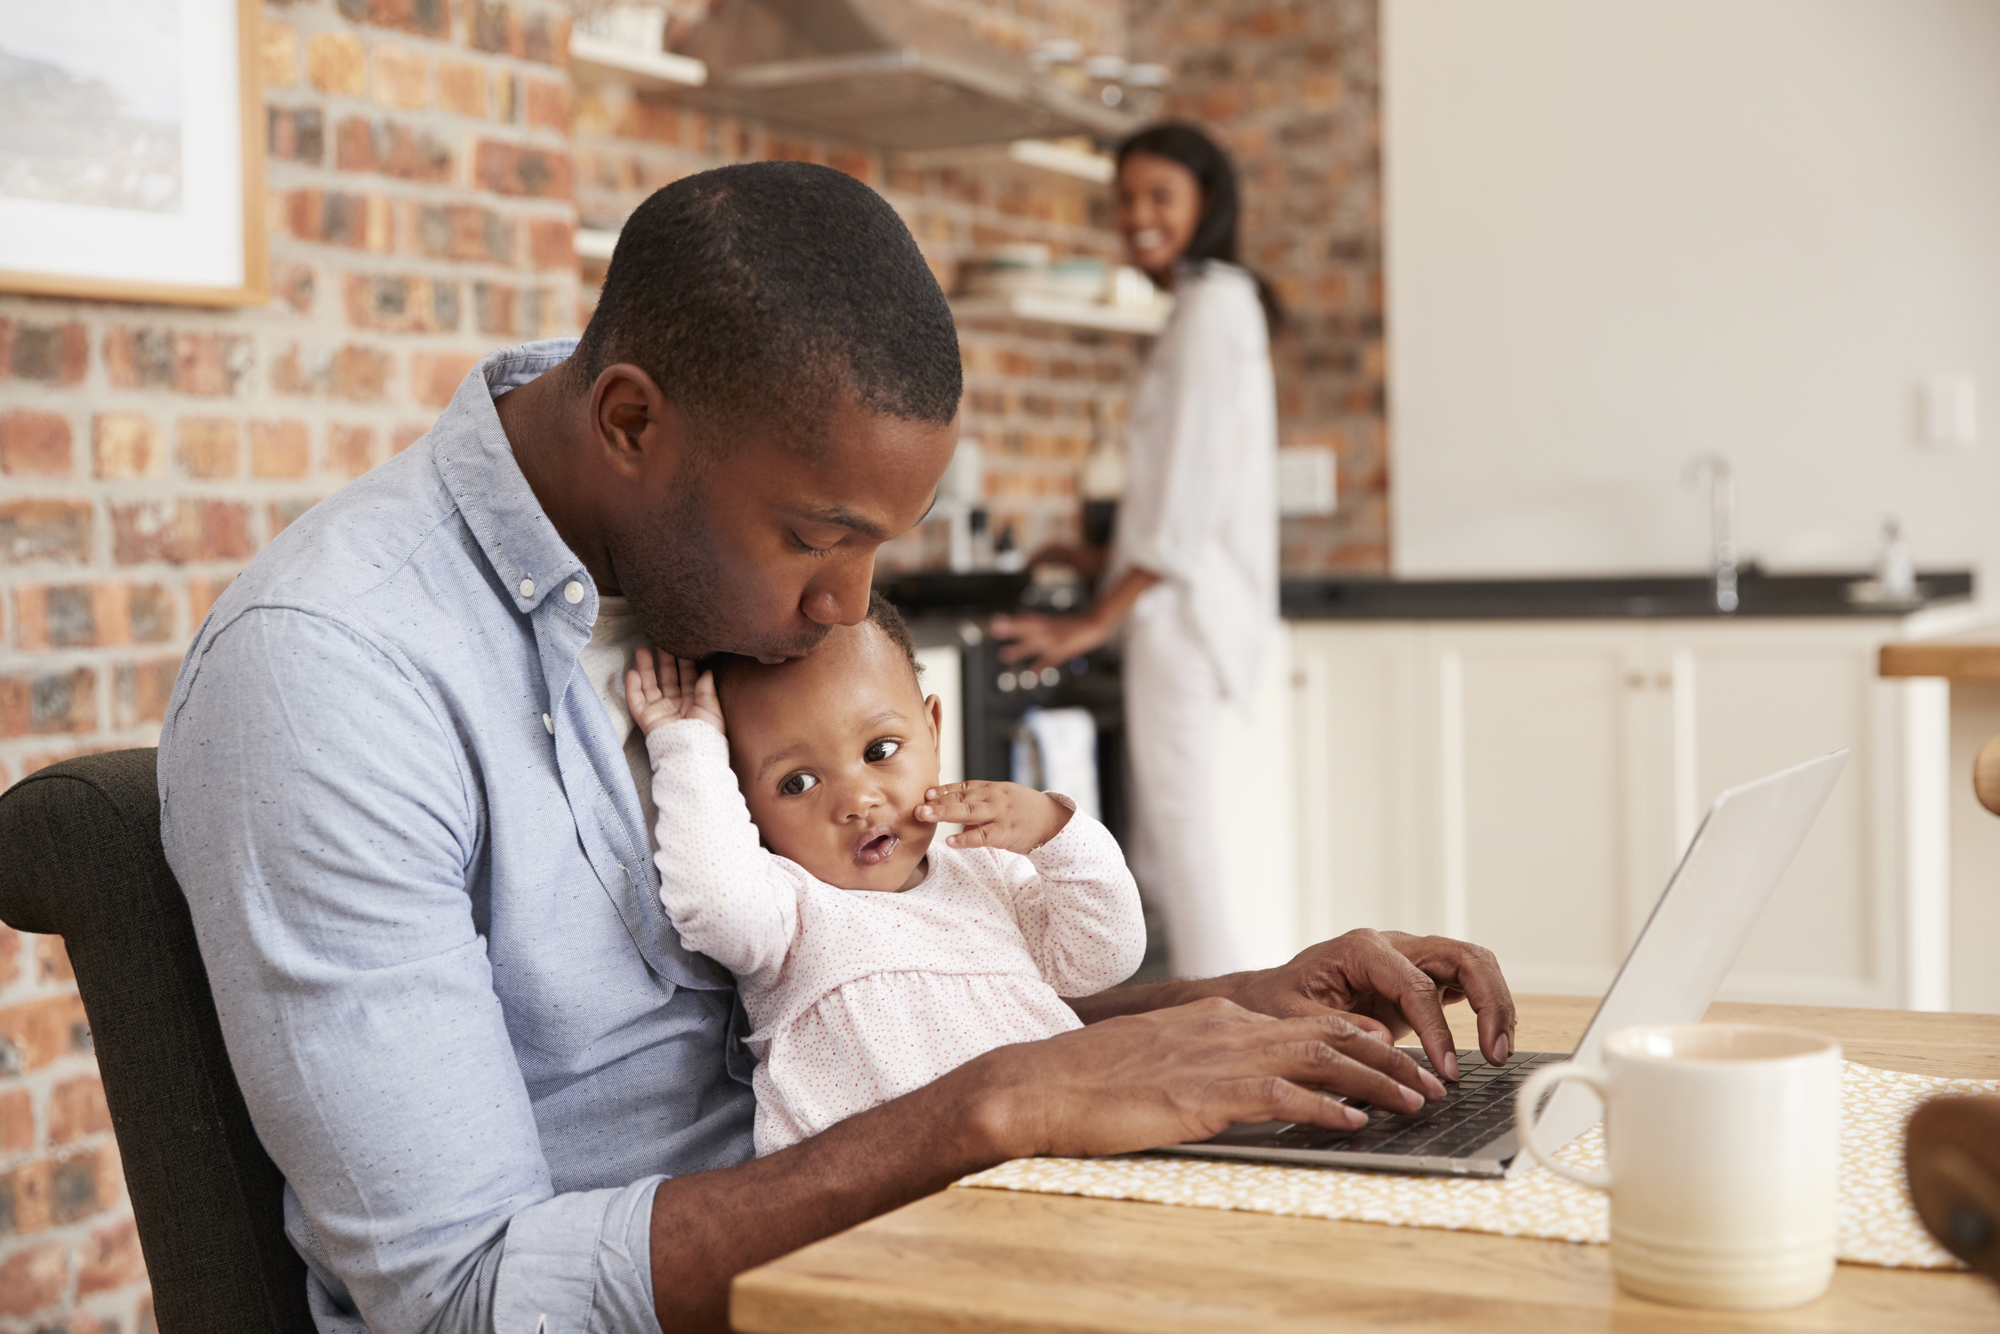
column 635, row 425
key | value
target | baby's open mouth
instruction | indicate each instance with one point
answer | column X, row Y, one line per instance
column 876, row 845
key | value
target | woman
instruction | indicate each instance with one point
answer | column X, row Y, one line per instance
column 1194, row 563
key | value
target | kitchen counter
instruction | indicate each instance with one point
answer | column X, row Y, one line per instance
column 1970, row 658
column 1613, row 597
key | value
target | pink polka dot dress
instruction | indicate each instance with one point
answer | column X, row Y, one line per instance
column 858, row 997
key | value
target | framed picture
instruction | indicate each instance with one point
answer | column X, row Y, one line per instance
column 132, row 150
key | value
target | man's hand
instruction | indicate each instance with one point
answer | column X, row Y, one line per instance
column 1384, row 982
column 1169, row 1076
column 671, row 693
column 995, row 815
column 1401, row 980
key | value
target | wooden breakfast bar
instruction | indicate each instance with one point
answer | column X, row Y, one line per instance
column 972, row 1261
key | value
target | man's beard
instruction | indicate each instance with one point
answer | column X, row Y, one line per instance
column 673, row 580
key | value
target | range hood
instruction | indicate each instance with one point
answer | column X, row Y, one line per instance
column 895, row 74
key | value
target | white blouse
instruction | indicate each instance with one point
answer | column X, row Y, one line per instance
column 859, row 996
column 1201, row 508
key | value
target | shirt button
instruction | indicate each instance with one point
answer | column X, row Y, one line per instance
column 527, row 588
column 549, row 723
column 572, row 592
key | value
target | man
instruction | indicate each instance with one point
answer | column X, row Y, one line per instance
column 414, row 837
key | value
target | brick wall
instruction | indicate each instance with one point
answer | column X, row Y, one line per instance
column 429, row 160
column 420, row 214
column 1291, row 87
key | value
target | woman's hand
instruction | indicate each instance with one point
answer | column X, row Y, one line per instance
column 1046, row 641
column 995, row 815
column 671, row 694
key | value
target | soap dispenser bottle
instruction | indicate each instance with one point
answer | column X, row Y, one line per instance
column 1896, row 574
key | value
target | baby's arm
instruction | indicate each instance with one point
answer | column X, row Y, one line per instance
column 727, row 896
column 1073, row 897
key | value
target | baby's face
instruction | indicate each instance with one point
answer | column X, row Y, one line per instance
column 834, row 752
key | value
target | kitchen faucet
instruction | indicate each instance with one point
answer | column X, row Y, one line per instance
column 1713, row 470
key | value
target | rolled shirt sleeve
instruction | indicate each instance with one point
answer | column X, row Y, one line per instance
column 321, row 810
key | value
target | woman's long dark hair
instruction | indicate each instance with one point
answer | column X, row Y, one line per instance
column 1215, row 234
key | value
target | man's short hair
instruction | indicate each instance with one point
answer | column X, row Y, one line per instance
column 770, row 288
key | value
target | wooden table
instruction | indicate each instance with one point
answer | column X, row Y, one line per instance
column 1968, row 658
column 973, row 1261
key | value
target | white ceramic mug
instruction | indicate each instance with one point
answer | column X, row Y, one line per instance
column 1723, row 1147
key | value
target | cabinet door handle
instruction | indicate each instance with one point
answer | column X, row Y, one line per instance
column 1635, row 680
column 1665, row 680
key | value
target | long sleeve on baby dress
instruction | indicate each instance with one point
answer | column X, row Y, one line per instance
column 1077, row 907
column 728, row 897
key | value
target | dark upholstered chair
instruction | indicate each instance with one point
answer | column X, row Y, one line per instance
column 80, row 858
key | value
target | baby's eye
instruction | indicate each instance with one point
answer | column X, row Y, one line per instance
column 880, row 750
column 797, row 785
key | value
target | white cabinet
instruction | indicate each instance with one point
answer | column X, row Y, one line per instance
column 1530, row 786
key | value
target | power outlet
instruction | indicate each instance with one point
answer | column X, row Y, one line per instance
column 1308, row 480
column 1948, row 412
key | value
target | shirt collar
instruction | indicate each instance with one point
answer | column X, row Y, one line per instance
column 476, row 462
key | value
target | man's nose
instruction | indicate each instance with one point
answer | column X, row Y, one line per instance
column 840, row 596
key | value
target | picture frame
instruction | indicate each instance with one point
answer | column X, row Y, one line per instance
column 132, row 151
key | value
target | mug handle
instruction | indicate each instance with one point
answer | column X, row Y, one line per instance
column 1530, row 1093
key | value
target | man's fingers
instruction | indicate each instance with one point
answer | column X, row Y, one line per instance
column 1272, row 1098
column 1472, row 971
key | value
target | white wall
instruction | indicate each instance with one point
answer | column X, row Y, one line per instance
column 1624, row 232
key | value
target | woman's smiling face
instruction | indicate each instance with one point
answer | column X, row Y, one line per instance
column 834, row 752
column 1159, row 206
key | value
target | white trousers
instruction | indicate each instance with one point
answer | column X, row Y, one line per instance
column 1172, row 698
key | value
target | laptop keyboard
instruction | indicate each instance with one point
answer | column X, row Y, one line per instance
column 1477, row 1108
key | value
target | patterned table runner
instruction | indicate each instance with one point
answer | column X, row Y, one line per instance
column 1877, row 1224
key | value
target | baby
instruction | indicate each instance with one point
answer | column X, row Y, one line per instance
column 871, row 958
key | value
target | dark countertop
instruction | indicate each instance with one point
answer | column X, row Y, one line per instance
column 1361, row 599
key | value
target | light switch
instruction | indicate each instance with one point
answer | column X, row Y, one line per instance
column 1308, row 480
column 1948, row 411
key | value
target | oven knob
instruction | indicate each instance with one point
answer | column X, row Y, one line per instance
column 1006, row 683
column 1050, row 676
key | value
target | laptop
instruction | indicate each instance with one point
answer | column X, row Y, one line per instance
column 1701, row 920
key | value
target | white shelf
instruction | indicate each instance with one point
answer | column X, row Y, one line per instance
column 1098, row 167
column 599, row 60
column 1054, row 310
column 595, row 242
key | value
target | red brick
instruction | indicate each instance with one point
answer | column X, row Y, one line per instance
column 180, row 531
column 293, row 284
column 496, row 27
column 125, row 444
column 52, row 963
column 548, row 104
column 202, row 594
column 400, row 304
column 350, row 449
column 208, row 364
column 334, row 63
column 35, row 704
column 401, row 77
column 279, row 448
column 17, row 1121
column 209, row 447
column 435, row 376
column 39, row 1031
column 355, row 373
column 295, row 134
column 427, row 17
column 391, row 148
column 91, row 615
column 406, row 435
column 57, row 354
column 34, row 444
column 493, row 308
column 111, row 1259
column 465, row 231
column 277, row 53
column 511, row 169
column 33, row 1280
column 76, row 1109
column 140, row 691
column 361, row 222
column 552, row 244
column 462, row 87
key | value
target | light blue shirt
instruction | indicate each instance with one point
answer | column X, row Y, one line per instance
column 424, row 891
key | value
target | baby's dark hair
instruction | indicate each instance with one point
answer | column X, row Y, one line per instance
column 883, row 615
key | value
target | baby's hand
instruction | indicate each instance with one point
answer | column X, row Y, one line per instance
column 995, row 815
column 672, row 694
